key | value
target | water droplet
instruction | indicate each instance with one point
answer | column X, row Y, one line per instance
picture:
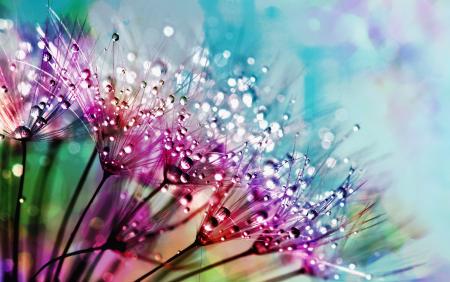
column 22, row 133
column 218, row 176
column 158, row 68
column 168, row 31
column 40, row 121
column 294, row 233
column 115, row 37
column 186, row 163
column 183, row 100
column 186, row 199
column 269, row 168
column 223, row 213
column 105, row 151
column 211, row 224
column 35, row 111
column 291, row 190
column 341, row 193
column 17, row 170
column 75, row 48
column 108, row 88
column 261, row 216
column 128, row 149
column 184, row 178
column 85, row 74
column 170, row 99
column 65, row 104
column 173, row 174
column 46, row 57
column 311, row 214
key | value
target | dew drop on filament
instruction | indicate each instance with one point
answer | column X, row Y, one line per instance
column 223, row 213
column 115, row 37
column 22, row 133
column 65, row 104
column 186, row 163
column 341, row 193
column 105, row 151
column 311, row 214
column 128, row 149
column 184, row 178
column 85, row 74
column 183, row 100
column 211, row 224
column 46, row 57
column 173, row 174
column 75, row 48
column 186, row 199
column 218, row 176
column 35, row 111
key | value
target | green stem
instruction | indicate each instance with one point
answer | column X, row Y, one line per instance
column 69, row 209
column 19, row 200
column 36, row 223
column 6, row 209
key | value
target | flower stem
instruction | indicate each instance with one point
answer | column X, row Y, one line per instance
column 287, row 275
column 78, row 224
column 19, row 200
column 53, row 260
column 5, row 210
column 210, row 266
column 179, row 254
column 141, row 204
column 93, row 266
column 36, row 224
column 69, row 209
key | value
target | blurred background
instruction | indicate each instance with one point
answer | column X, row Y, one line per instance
column 382, row 64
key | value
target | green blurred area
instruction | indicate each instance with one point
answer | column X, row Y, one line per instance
column 32, row 12
column 52, row 178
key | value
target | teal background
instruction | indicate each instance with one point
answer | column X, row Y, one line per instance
column 382, row 64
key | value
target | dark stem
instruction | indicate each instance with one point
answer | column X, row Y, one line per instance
column 78, row 224
column 16, row 237
column 210, row 266
column 69, row 209
column 93, row 266
column 179, row 254
column 287, row 275
column 141, row 204
column 5, row 209
column 173, row 267
column 151, row 234
column 53, row 260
